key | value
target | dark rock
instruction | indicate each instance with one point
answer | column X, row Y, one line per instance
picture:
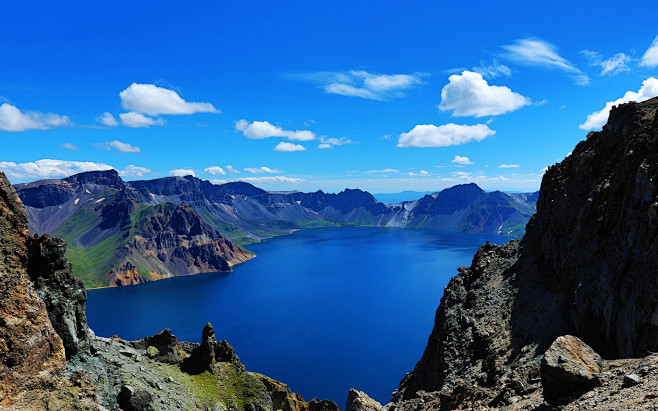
column 631, row 380
column 64, row 294
column 568, row 366
column 130, row 399
column 207, row 355
column 162, row 347
column 360, row 401
column 322, row 405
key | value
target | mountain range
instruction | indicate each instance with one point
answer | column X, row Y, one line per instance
column 129, row 232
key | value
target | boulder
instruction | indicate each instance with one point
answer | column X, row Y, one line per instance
column 569, row 366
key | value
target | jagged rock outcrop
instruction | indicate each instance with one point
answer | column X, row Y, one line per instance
column 587, row 266
column 207, row 355
column 360, row 401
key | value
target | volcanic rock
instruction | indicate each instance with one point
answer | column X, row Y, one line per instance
column 568, row 366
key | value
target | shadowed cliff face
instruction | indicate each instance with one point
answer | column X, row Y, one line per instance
column 595, row 232
column 587, row 266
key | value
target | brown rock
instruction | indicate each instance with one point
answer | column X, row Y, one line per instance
column 360, row 401
column 568, row 366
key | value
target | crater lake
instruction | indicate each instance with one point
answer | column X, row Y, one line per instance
column 322, row 310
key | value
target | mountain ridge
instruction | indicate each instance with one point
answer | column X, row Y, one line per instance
column 104, row 220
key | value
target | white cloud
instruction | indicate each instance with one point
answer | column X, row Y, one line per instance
column 610, row 66
column 48, row 168
column 509, row 166
column 259, row 170
column 153, row 100
column 461, row 160
column 107, row 119
column 386, row 170
column 429, row 135
column 493, row 70
column 119, row 146
column 182, row 172
column 468, row 94
column 362, row 84
column 272, row 179
column 264, row 129
column 231, row 169
column 537, row 52
column 134, row 171
column 135, row 120
column 70, row 146
column 597, row 119
column 285, row 146
column 215, row 170
column 326, row 142
column 650, row 57
column 421, row 173
column 13, row 119
column 218, row 182
column 460, row 176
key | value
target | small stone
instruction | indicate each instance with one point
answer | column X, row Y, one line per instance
column 170, row 379
column 160, row 387
column 631, row 380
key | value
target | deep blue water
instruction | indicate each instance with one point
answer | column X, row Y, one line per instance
column 323, row 310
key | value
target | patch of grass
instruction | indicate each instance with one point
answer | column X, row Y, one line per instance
column 91, row 264
column 75, row 226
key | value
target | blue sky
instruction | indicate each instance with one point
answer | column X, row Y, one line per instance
column 386, row 96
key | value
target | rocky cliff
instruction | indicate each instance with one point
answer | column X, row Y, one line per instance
column 167, row 240
column 587, row 266
column 50, row 359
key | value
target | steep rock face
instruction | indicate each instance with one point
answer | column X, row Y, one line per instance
column 64, row 294
column 31, row 352
column 596, row 227
column 587, row 266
